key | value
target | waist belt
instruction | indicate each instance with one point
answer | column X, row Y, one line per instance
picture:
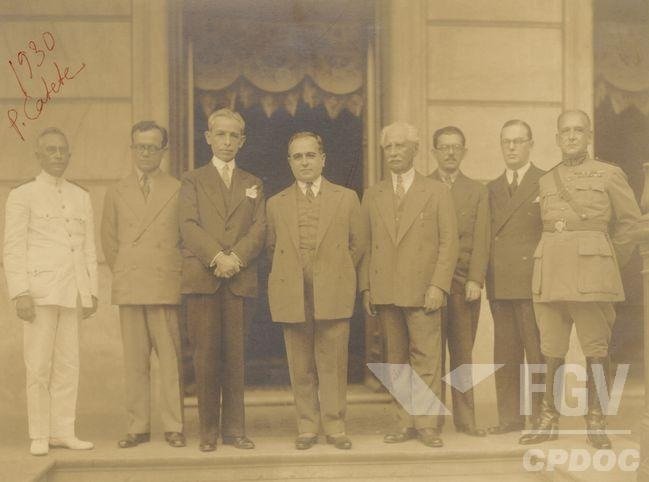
column 574, row 225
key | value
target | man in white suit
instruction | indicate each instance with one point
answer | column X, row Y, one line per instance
column 51, row 269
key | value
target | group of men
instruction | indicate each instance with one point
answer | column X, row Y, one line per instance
column 419, row 249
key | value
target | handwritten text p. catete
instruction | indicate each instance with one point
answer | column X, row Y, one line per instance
column 29, row 68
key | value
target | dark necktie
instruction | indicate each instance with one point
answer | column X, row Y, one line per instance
column 514, row 185
column 309, row 191
column 146, row 186
column 399, row 190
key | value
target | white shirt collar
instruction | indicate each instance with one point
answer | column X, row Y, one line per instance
column 49, row 179
column 315, row 187
column 219, row 164
column 521, row 173
column 407, row 177
column 140, row 174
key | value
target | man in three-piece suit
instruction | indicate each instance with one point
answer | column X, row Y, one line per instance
column 51, row 270
column 141, row 242
column 315, row 242
column 515, row 231
column 222, row 224
column 460, row 316
column 407, row 271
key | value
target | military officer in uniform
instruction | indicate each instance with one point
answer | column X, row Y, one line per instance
column 588, row 210
column 51, row 269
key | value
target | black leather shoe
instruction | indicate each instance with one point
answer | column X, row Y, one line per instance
column 340, row 441
column 505, row 428
column 305, row 442
column 471, row 430
column 399, row 437
column 175, row 439
column 133, row 440
column 242, row 442
column 430, row 437
column 207, row 446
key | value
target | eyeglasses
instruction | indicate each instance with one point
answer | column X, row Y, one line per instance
column 53, row 150
column 149, row 148
column 446, row 148
column 519, row 141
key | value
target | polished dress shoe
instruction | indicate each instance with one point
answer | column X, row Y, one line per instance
column 399, row 437
column 133, row 440
column 505, row 428
column 471, row 430
column 39, row 446
column 175, row 439
column 242, row 442
column 305, row 442
column 430, row 437
column 72, row 443
column 339, row 441
column 207, row 446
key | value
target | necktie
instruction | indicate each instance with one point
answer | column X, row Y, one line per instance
column 226, row 175
column 309, row 191
column 399, row 190
column 146, row 186
column 514, row 185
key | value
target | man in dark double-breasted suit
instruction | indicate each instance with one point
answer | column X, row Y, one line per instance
column 141, row 241
column 315, row 240
column 460, row 316
column 515, row 231
column 406, row 274
column 222, row 223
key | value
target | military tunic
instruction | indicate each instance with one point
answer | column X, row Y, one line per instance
column 586, row 225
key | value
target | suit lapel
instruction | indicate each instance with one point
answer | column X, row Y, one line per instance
column 412, row 205
column 288, row 210
column 129, row 189
column 385, row 202
column 527, row 188
column 163, row 190
column 211, row 182
column 330, row 196
column 237, row 191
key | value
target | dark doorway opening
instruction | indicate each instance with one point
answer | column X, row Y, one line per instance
column 286, row 66
column 621, row 47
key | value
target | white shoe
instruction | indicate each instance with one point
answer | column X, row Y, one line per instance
column 72, row 443
column 39, row 446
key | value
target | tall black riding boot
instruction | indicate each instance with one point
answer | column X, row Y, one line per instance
column 548, row 421
column 595, row 419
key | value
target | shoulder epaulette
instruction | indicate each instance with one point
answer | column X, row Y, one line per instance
column 24, row 182
column 77, row 184
column 606, row 162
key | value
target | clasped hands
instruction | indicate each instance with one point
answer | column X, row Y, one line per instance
column 227, row 265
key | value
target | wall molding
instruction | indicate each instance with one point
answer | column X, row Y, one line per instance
column 495, row 103
column 494, row 24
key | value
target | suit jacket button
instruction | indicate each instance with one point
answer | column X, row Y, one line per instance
column 134, row 243
column 524, row 258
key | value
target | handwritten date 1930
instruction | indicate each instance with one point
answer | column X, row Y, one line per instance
column 24, row 71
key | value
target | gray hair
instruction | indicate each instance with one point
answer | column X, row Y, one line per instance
column 411, row 131
column 48, row 131
column 228, row 114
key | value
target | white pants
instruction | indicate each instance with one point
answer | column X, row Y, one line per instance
column 51, row 350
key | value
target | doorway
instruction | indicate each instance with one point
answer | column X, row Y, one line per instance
column 621, row 48
column 286, row 66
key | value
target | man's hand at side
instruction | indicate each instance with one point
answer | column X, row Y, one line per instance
column 25, row 308
column 87, row 312
column 434, row 299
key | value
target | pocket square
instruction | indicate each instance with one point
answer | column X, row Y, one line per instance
column 537, row 200
column 252, row 192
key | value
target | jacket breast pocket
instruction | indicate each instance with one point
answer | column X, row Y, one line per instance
column 598, row 271
column 591, row 193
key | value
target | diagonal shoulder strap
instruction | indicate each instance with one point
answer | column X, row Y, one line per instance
column 566, row 196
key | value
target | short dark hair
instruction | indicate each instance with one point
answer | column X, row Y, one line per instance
column 148, row 125
column 448, row 130
column 518, row 122
column 306, row 134
column 51, row 130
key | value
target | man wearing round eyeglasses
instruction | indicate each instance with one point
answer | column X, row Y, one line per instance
column 515, row 231
column 51, row 270
column 588, row 210
column 460, row 316
column 140, row 238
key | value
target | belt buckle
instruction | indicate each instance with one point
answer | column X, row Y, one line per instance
column 560, row 225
